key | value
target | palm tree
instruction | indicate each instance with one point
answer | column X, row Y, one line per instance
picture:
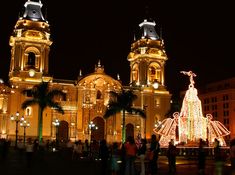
column 122, row 102
column 43, row 97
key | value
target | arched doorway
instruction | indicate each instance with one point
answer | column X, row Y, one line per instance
column 98, row 134
column 63, row 131
column 129, row 130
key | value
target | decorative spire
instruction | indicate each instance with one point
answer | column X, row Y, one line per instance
column 99, row 65
column 118, row 77
column 147, row 29
column 99, row 68
column 134, row 38
column 33, row 11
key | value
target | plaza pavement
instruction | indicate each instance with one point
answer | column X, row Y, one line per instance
column 56, row 163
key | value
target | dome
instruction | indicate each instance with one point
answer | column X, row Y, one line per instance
column 100, row 80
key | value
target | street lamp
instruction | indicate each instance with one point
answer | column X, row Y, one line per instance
column 16, row 118
column 25, row 124
column 56, row 123
column 92, row 127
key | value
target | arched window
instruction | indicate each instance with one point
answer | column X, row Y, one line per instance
column 98, row 95
column 135, row 72
column 154, row 72
column 31, row 59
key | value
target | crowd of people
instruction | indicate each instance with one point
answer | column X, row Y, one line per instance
column 120, row 158
column 115, row 158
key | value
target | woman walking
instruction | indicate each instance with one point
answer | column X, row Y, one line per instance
column 142, row 153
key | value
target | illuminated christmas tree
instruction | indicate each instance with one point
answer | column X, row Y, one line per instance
column 188, row 126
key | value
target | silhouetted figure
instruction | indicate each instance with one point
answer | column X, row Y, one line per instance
column 104, row 156
column 4, row 147
column 48, row 145
column 114, row 159
column 201, row 157
column 86, row 149
column 232, row 155
column 131, row 152
column 171, row 155
column 154, row 150
column 77, row 150
column 35, row 145
column 94, row 150
column 29, row 149
column 21, row 149
column 41, row 150
column 69, row 150
column 218, row 158
column 141, row 154
column 123, row 159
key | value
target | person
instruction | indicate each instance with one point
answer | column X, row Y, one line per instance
column 29, row 152
column 232, row 155
column 141, row 154
column 104, row 156
column 153, row 154
column 201, row 157
column 4, row 147
column 171, row 155
column 41, row 150
column 69, row 149
column 77, row 150
column 114, row 159
column 21, row 148
column 131, row 151
column 86, row 149
column 94, row 150
column 123, row 158
column 218, row 159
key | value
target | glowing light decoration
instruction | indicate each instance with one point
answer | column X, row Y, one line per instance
column 188, row 126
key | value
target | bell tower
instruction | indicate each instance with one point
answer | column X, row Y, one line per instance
column 147, row 57
column 30, row 46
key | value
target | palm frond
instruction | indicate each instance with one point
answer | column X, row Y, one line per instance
column 28, row 102
column 138, row 111
column 40, row 90
column 56, row 92
column 56, row 106
column 113, row 108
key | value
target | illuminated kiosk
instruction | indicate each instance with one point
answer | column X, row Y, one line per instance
column 188, row 126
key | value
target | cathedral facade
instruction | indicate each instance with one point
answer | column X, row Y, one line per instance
column 88, row 96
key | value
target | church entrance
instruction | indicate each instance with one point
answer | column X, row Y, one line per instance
column 98, row 134
column 63, row 131
column 129, row 130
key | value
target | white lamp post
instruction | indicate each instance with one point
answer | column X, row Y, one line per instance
column 16, row 118
column 92, row 127
column 25, row 124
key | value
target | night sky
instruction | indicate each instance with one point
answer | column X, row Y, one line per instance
column 198, row 36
